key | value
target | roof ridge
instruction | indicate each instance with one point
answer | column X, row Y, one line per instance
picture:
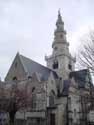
column 80, row 70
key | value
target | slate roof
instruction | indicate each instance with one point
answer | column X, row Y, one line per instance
column 31, row 66
column 80, row 77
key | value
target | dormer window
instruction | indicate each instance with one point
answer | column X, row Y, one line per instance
column 55, row 65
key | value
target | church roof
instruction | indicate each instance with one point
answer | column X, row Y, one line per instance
column 80, row 77
column 31, row 66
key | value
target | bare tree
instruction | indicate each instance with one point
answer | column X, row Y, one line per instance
column 86, row 52
column 15, row 96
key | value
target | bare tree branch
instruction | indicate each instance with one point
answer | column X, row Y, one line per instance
column 86, row 54
column 15, row 96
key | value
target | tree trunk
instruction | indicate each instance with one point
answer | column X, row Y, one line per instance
column 11, row 117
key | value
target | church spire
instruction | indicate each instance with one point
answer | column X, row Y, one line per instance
column 61, row 59
column 59, row 33
column 59, row 23
column 59, row 20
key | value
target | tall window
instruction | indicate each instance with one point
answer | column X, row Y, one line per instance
column 55, row 64
column 52, row 98
column 75, row 113
column 33, row 98
column 70, row 66
column 69, row 103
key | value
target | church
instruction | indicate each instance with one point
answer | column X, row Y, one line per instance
column 60, row 94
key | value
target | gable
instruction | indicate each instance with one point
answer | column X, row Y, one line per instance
column 51, row 84
column 22, row 67
column 16, row 70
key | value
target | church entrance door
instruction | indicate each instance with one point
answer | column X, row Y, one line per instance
column 52, row 119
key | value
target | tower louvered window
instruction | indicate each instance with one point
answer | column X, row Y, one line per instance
column 70, row 66
column 55, row 65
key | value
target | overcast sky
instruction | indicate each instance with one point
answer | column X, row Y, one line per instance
column 28, row 26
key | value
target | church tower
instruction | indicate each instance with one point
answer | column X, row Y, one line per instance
column 61, row 60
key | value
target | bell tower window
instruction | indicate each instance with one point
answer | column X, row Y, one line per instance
column 70, row 66
column 55, row 65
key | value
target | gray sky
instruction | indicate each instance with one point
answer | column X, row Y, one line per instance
column 28, row 26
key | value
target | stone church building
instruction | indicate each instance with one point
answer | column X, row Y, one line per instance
column 60, row 94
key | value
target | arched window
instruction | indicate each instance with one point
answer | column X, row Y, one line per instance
column 75, row 113
column 55, row 64
column 70, row 66
column 33, row 89
column 52, row 98
column 69, row 103
column 33, row 106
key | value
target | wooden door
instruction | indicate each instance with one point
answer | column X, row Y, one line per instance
column 52, row 119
